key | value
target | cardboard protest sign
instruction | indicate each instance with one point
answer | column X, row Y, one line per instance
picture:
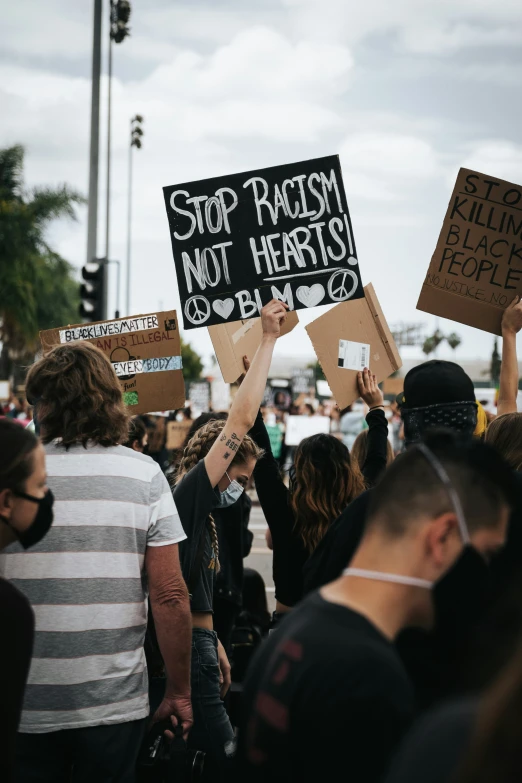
column 476, row 269
column 234, row 340
column 240, row 240
column 199, row 395
column 177, row 431
column 350, row 337
column 299, row 427
column 303, row 379
column 145, row 351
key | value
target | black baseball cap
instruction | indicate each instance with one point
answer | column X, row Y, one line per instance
column 435, row 383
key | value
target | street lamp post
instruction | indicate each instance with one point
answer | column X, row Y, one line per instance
column 136, row 133
column 120, row 11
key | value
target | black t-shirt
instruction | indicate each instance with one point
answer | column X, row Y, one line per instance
column 326, row 693
column 195, row 498
column 436, row 745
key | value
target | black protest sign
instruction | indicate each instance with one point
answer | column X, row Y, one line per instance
column 240, row 240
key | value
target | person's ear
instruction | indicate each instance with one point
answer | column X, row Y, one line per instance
column 6, row 503
column 440, row 539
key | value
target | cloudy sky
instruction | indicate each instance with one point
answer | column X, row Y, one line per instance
column 406, row 93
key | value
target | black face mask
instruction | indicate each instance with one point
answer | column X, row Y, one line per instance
column 461, row 596
column 42, row 521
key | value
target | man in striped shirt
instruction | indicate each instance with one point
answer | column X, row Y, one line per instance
column 114, row 539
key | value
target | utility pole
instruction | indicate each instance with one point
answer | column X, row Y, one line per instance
column 108, row 199
column 136, row 133
column 119, row 15
column 92, row 211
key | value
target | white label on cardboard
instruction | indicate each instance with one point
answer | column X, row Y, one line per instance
column 108, row 328
column 136, row 366
column 353, row 356
column 245, row 327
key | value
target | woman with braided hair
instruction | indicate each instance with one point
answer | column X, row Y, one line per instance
column 213, row 472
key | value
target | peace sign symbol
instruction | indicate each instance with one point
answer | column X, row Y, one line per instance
column 337, row 286
column 193, row 312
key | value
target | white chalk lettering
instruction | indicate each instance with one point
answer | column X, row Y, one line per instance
column 339, row 223
column 257, row 254
column 286, row 296
column 303, row 245
column 261, row 201
column 214, row 228
column 318, row 227
column 226, row 210
column 290, row 183
column 317, row 195
column 306, row 212
column 189, row 267
column 245, row 301
column 224, row 260
column 183, row 212
column 328, row 184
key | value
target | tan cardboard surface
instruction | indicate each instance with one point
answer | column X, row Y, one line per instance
column 142, row 349
column 359, row 321
column 176, row 433
column 476, row 268
column 234, row 340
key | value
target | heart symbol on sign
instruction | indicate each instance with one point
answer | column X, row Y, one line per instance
column 223, row 307
column 310, row 296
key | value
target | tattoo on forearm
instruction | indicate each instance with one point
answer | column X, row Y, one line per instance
column 223, row 437
column 226, row 455
column 234, row 436
column 231, row 445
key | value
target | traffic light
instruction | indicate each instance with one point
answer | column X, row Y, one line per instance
column 92, row 291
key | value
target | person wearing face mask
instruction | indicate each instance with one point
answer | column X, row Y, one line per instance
column 213, row 473
column 328, row 690
column 26, row 514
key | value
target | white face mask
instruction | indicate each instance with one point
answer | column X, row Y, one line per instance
column 231, row 494
column 412, row 581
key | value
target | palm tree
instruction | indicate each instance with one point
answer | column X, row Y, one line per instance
column 37, row 286
column 453, row 341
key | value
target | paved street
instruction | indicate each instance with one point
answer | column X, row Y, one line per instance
column 260, row 557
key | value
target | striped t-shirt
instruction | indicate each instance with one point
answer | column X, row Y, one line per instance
column 86, row 582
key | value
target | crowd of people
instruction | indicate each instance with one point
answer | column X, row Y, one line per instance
column 393, row 652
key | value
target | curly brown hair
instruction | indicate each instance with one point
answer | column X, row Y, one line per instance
column 78, row 396
column 199, row 446
column 324, row 481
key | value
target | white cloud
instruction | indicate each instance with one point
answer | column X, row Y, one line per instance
column 498, row 158
column 383, row 166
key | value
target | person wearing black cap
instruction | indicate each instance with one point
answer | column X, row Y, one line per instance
column 437, row 394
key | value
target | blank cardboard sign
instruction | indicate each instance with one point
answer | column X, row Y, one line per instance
column 234, row 340
column 177, row 431
column 145, row 351
column 476, row 269
column 360, row 323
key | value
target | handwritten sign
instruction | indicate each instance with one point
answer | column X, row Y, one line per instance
column 476, row 269
column 239, row 241
column 145, row 352
column 199, row 395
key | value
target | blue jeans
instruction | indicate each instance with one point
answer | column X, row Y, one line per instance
column 212, row 731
